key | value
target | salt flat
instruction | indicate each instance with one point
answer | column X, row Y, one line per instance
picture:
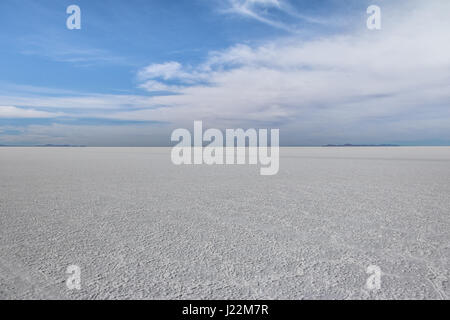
column 140, row 227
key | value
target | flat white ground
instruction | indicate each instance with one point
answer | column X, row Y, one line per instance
column 140, row 227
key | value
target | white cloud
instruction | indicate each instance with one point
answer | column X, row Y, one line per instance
column 362, row 87
column 85, row 103
column 354, row 82
column 171, row 71
column 166, row 71
column 156, row 86
column 14, row 112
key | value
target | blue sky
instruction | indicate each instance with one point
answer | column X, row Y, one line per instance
column 120, row 37
column 138, row 69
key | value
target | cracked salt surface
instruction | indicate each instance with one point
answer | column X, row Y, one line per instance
column 140, row 227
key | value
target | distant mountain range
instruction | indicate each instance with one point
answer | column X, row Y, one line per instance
column 83, row 146
column 46, row 145
column 361, row 145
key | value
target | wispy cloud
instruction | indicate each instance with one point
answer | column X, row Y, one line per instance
column 12, row 112
column 59, row 49
column 260, row 10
